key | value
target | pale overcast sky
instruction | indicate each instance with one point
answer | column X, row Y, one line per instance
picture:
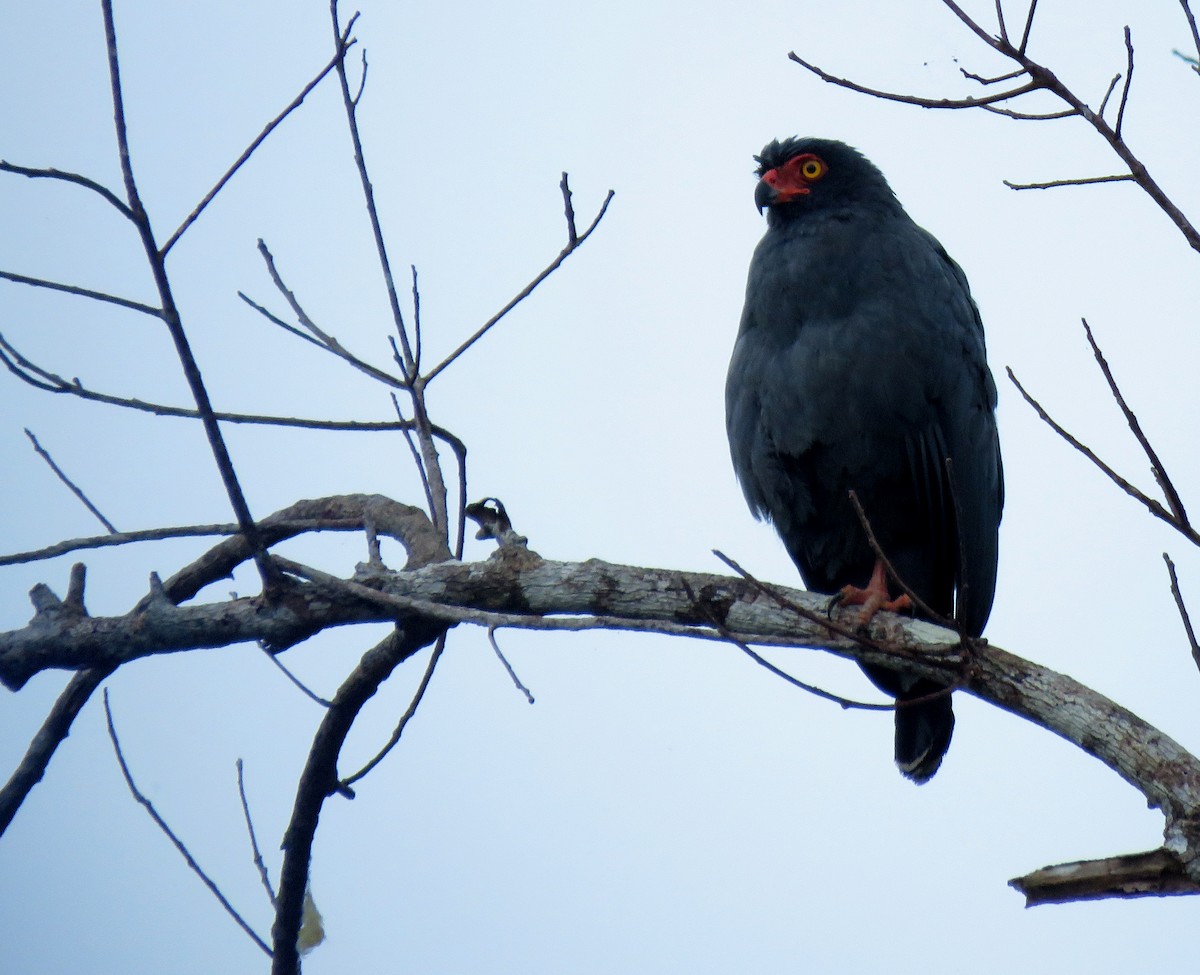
column 664, row 806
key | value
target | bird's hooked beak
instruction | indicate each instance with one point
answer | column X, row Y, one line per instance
column 764, row 195
column 770, row 191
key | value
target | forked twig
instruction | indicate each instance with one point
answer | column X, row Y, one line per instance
column 574, row 241
column 161, row 823
column 1153, row 506
column 1174, row 502
column 405, row 718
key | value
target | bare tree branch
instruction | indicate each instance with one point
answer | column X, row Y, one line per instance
column 322, row 339
column 319, row 779
column 259, row 864
column 1028, row 27
column 108, row 195
column 295, row 681
column 74, row 488
column 574, row 241
column 438, row 648
column 1076, row 181
column 1191, row 19
column 161, row 823
column 171, row 316
column 1183, row 613
column 1154, row 507
column 892, row 96
column 1156, row 466
column 1128, row 83
column 518, row 589
column 72, row 289
column 50, row 735
column 343, row 47
column 41, row 378
column 1152, row 874
column 1041, row 78
column 508, row 668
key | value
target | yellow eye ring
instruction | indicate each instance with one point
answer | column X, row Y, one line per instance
column 812, row 169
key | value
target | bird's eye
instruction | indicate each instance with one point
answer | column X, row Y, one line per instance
column 812, row 168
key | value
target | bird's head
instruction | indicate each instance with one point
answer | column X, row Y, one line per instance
column 799, row 175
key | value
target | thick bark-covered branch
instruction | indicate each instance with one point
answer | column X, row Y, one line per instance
column 1153, row 874
column 518, row 588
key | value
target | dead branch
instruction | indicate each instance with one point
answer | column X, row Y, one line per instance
column 537, row 593
column 1041, row 78
column 1154, row 874
column 170, row 834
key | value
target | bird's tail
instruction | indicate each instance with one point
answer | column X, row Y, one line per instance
column 923, row 731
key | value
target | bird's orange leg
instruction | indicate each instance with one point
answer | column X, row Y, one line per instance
column 874, row 597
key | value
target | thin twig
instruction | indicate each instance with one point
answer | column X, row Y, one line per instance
column 418, row 461
column 512, row 674
column 1187, row 12
column 1174, row 502
column 848, row 633
column 258, row 857
column 72, row 289
column 323, row 339
column 999, row 43
column 276, row 320
column 1153, row 506
column 1078, row 181
column 728, row 635
column 856, row 636
column 1024, row 45
column 22, row 367
column 1040, row 78
column 1000, row 21
column 1030, row 116
column 880, row 554
column 241, row 160
column 891, row 96
column 351, row 112
column 296, row 681
column 574, row 241
column 405, row 718
column 51, row 173
column 1183, row 613
column 416, row 300
column 1128, row 82
column 167, row 831
column 319, row 780
column 75, row 489
column 1112, row 86
column 972, row 76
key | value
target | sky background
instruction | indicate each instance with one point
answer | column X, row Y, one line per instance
column 665, row 805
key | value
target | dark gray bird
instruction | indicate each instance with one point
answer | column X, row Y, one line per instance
column 860, row 365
